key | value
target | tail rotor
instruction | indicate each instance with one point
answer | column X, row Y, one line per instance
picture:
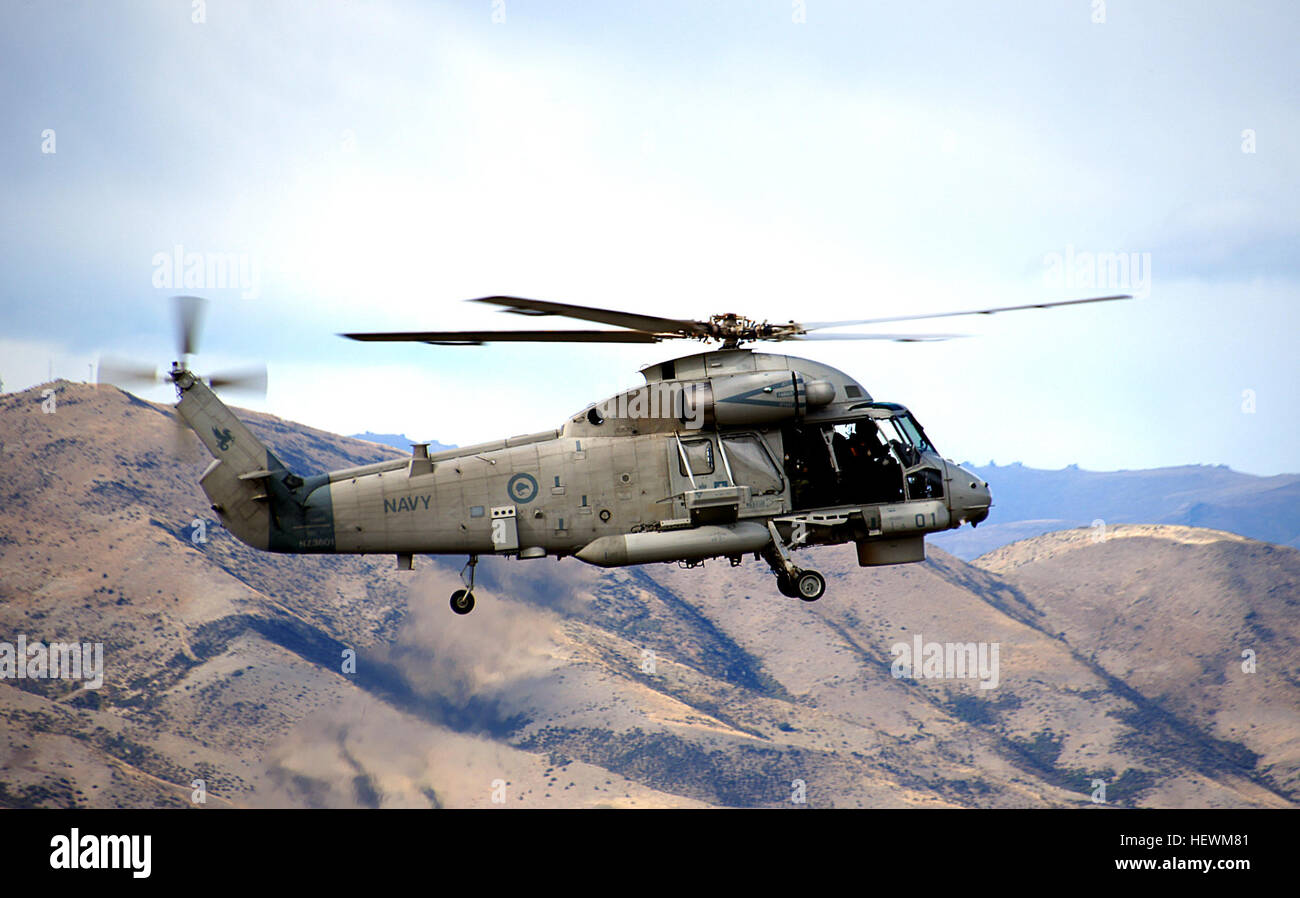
column 129, row 373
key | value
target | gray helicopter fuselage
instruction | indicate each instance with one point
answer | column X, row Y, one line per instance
column 719, row 454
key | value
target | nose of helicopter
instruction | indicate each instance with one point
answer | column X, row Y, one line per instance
column 970, row 497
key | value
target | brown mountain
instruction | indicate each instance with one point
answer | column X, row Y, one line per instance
column 1119, row 660
column 1029, row 502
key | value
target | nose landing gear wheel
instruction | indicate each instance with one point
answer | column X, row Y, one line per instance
column 785, row 586
column 810, row 586
column 462, row 601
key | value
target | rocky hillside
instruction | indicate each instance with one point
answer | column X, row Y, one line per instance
column 1119, row 660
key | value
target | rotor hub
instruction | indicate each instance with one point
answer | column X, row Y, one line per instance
column 732, row 330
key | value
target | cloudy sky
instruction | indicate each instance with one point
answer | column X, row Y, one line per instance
column 373, row 164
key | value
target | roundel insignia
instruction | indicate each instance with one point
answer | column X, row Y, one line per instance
column 522, row 488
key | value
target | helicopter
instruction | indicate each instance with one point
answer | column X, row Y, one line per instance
column 719, row 454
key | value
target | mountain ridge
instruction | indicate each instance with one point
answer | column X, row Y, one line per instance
column 575, row 686
column 1028, row 502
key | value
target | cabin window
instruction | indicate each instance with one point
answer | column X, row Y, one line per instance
column 752, row 465
column 700, row 454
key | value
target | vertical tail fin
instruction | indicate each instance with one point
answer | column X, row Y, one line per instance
column 224, row 435
column 257, row 498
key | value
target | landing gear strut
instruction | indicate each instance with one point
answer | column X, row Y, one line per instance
column 462, row 600
column 791, row 581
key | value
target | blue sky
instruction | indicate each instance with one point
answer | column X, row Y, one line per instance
column 376, row 163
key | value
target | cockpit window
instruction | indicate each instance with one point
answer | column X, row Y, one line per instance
column 890, row 430
column 925, row 483
column 906, row 436
column 914, row 433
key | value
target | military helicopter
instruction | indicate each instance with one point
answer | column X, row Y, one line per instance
column 719, row 454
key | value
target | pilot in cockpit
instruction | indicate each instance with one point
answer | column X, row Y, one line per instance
column 866, row 444
column 873, row 464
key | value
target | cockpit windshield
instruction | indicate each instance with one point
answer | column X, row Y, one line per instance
column 905, row 430
column 914, row 432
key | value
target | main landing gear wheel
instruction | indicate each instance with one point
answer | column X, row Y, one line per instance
column 810, row 586
column 462, row 601
column 790, row 580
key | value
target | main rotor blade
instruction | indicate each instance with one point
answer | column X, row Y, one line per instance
column 476, row 338
column 189, row 309
column 649, row 323
column 818, row 325
column 897, row 338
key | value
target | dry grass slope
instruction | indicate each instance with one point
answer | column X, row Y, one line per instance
column 572, row 686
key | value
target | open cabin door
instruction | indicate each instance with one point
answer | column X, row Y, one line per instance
column 849, row 463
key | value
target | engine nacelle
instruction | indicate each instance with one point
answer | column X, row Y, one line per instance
column 756, row 397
